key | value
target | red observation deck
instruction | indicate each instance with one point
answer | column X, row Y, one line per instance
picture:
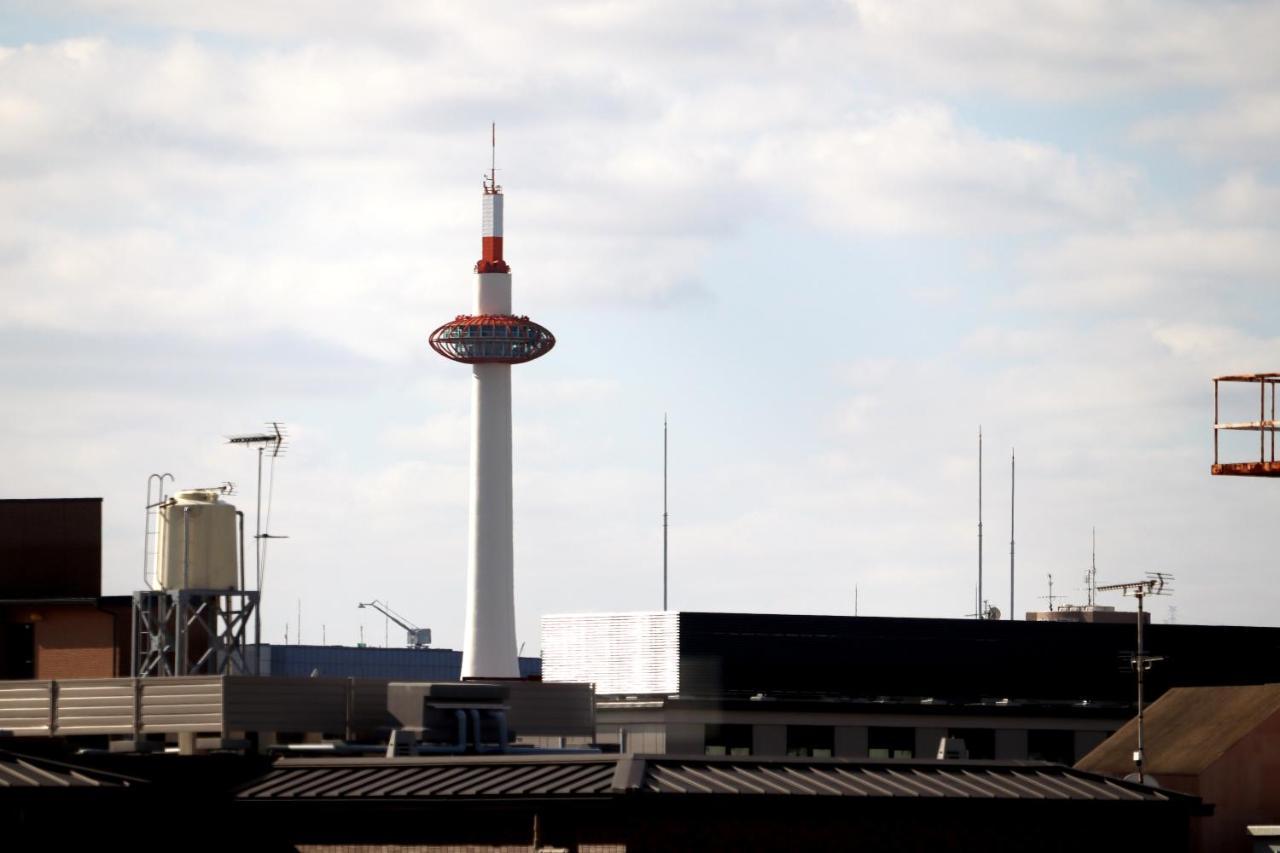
column 492, row 338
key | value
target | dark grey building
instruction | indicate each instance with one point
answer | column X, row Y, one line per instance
column 775, row 685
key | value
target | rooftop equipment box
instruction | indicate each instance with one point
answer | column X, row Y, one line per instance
column 51, row 548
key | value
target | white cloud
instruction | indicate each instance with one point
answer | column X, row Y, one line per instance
column 1069, row 49
column 1243, row 129
column 1162, row 269
column 913, row 169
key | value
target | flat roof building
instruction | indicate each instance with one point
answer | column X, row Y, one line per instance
column 772, row 684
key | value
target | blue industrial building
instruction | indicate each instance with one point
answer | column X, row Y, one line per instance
column 399, row 664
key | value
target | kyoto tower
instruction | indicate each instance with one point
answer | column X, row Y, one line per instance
column 491, row 340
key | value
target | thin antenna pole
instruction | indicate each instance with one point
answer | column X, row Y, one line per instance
column 1142, row 665
column 493, row 153
column 257, row 560
column 978, row 609
column 1093, row 570
column 1012, row 484
column 664, row 511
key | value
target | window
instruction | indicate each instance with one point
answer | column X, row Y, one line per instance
column 979, row 743
column 891, row 742
column 727, row 739
column 811, row 741
column 1054, row 745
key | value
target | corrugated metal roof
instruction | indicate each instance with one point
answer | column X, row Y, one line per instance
column 955, row 780
column 542, row 776
column 454, row 776
column 26, row 772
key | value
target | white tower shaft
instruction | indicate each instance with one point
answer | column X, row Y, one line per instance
column 489, row 644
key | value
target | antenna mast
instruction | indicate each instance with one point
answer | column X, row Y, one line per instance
column 1012, row 484
column 1093, row 571
column 664, row 511
column 978, row 610
column 1051, row 597
column 1157, row 583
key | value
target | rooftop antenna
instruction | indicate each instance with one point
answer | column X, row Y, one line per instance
column 1157, row 583
column 664, row 514
column 1051, row 597
column 272, row 443
column 978, row 610
column 1012, row 484
column 1091, row 577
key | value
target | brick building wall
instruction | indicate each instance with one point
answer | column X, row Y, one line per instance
column 75, row 642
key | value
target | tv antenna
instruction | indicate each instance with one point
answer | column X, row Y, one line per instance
column 1091, row 576
column 269, row 444
column 1157, row 583
column 1051, row 597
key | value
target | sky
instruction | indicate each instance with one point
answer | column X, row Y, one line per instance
column 827, row 240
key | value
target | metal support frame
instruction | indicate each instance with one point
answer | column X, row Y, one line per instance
column 1265, row 426
column 193, row 632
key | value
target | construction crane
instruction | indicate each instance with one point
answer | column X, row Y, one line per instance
column 418, row 638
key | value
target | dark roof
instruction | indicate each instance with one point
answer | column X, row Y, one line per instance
column 28, row 772
column 599, row 776
column 1187, row 730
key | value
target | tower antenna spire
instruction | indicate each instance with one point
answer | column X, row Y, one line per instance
column 492, row 182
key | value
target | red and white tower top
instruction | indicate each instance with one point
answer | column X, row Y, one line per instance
column 492, row 336
column 491, row 219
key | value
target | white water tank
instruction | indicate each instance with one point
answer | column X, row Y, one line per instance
column 210, row 561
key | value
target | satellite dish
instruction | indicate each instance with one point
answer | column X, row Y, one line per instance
column 993, row 612
column 1147, row 779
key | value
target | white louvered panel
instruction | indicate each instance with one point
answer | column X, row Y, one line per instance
column 492, row 215
column 620, row 653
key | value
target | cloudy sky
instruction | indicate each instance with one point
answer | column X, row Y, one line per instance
column 829, row 239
